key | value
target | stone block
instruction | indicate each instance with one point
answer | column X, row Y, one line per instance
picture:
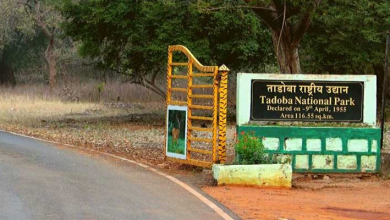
column 368, row 163
column 284, row 158
column 357, row 145
column 334, row 144
column 293, row 144
column 347, row 162
column 313, row 144
column 271, row 143
column 322, row 161
column 302, row 162
column 264, row 175
column 374, row 146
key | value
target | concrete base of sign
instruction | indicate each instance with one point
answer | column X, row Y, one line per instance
column 264, row 175
column 321, row 149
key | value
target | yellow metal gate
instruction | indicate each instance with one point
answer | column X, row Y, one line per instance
column 203, row 84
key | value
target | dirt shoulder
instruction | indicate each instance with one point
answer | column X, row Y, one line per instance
column 330, row 198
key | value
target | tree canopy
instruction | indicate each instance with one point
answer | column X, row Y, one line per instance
column 23, row 23
column 131, row 36
column 347, row 37
column 14, row 23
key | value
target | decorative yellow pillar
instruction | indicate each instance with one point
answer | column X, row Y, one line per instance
column 223, row 71
column 168, row 100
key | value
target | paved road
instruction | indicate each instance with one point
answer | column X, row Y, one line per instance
column 40, row 181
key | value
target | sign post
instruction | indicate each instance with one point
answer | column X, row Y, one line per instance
column 317, row 123
column 384, row 86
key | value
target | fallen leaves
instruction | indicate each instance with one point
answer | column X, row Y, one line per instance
column 135, row 133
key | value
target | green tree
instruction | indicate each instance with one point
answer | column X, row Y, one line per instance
column 15, row 27
column 22, row 21
column 47, row 19
column 347, row 37
column 131, row 37
column 22, row 54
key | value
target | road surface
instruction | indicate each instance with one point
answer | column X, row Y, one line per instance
column 42, row 181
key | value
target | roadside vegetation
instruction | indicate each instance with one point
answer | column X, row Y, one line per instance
column 133, row 128
column 92, row 73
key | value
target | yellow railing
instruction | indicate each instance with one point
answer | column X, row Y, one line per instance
column 219, row 92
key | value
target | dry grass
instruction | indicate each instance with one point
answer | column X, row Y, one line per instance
column 29, row 109
column 132, row 129
column 90, row 91
column 31, row 102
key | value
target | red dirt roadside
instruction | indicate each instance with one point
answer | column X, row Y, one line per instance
column 316, row 199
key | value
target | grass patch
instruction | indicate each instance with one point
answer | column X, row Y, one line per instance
column 310, row 124
column 27, row 110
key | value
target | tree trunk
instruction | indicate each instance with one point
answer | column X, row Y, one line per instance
column 288, row 23
column 147, row 84
column 51, row 62
column 379, row 72
column 7, row 76
column 286, row 53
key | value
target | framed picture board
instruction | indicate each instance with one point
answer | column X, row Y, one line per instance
column 176, row 139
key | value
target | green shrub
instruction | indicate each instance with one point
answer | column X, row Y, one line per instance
column 250, row 150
